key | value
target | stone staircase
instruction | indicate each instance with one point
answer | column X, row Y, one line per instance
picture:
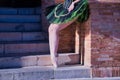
column 21, row 35
column 23, row 43
column 75, row 72
column 45, row 73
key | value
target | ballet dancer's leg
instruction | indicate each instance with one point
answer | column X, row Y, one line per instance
column 54, row 40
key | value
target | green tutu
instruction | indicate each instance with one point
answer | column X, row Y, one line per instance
column 60, row 13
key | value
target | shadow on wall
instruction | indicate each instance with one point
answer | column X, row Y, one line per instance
column 68, row 35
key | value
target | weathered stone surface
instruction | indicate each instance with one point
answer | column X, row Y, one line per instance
column 20, row 27
column 45, row 73
column 110, row 78
column 37, row 60
column 20, row 11
column 26, row 11
column 38, row 10
column 37, row 75
column 26, row 48
column 14, row 62
column 1, row 49
column 22, row 36
column 63, row 59
column 20, row 18
column 33, row 36
column 17, row 36
column 44, row 60
column 30, row 73
column 8, row 11
column 72, row 72
column 6, row 76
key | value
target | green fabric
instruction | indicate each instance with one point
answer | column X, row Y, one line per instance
column 61, row 15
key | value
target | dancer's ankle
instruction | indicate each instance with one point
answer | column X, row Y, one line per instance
column 55, row 63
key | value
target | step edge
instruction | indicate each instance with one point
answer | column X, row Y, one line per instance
column 108, row 78
column 36, row 67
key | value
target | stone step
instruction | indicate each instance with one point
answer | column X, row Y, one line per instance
column 22, row 36
column 106, row 78
column 45, row 73
column 36, row 60
column 23, row 48
column 20, row 27
column 20, row 18
column 72, row 72
column 20, row 11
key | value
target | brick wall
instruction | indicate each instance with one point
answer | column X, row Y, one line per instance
column 105, row 43
column 102, row 41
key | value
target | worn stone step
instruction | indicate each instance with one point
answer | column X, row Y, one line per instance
column 36, row 60
column 22, row 36
column 23, row 48
column 20, row 18
column 20, row 11
column 8, row 11
column 106, row 78
column 44, row 73
column 20, row 27
column 72, row 72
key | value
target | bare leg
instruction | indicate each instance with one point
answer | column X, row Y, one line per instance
column 54, row 40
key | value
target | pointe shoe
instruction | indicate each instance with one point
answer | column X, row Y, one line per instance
column 55, row 62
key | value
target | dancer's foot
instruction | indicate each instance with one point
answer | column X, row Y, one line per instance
column 55, row 65
column 55, row 62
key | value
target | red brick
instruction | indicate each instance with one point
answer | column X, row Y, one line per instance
column 105, row 35
column 106, row 13
column 106, row 72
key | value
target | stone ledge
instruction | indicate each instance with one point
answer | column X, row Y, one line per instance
column 22, row 36
column 20, row 27
column 42, row 73
column 37, row 60
column 72, row 72
column 20, row 18
column 110, row 78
